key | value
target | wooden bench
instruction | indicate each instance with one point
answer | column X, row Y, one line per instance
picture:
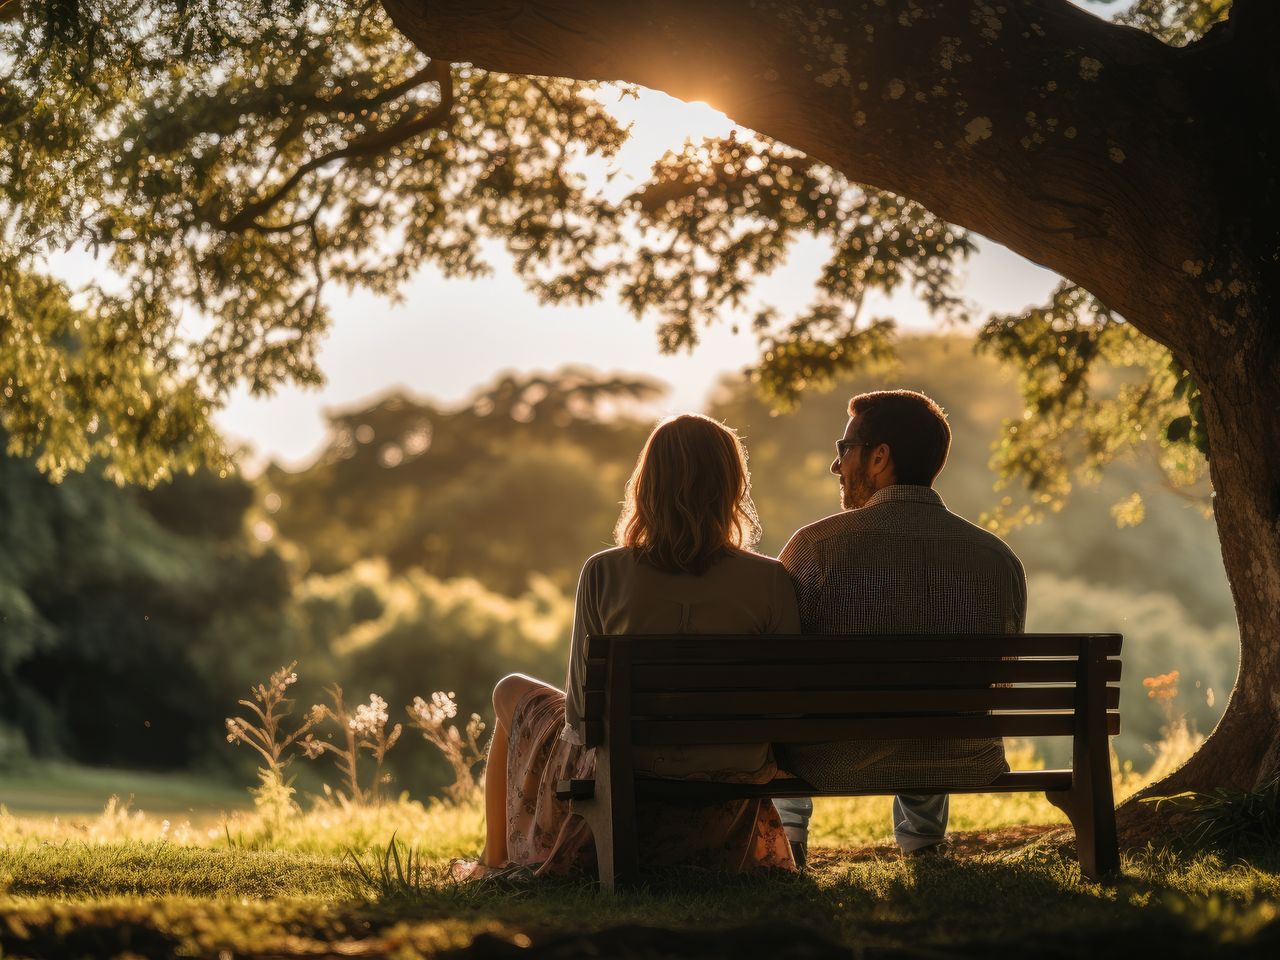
column 659, row 690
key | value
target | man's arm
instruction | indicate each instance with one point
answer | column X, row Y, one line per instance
column 803, row 563
column 1016, row 619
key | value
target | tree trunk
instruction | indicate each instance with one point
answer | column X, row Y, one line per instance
column 1121, row 163
column 1242, row 410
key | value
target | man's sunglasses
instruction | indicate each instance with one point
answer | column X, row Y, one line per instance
column 844, row 446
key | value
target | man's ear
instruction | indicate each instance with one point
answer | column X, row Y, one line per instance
column 881, row 460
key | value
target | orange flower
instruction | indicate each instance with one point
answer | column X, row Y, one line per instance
column 1162, row 687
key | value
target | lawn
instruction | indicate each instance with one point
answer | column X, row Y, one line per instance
column 125, row 883
column 64, row 788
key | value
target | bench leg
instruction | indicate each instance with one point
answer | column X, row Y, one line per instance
column 1094, row 821
column 611, row 815
column 617, row 852
column 614, row 810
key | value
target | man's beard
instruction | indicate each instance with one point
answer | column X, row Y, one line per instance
column 855, row 493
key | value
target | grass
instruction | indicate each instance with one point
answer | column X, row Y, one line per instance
column 64, row 788
column 125, row 883
column 153, row 901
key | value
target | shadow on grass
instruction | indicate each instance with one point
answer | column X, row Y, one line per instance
column 106, row 936
column 1032, row 904
column 1029, row 904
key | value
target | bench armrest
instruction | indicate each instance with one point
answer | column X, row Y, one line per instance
column 575, row 789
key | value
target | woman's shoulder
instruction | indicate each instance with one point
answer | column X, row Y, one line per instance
column 738, row 564
column 752, row 564
column 609, row 559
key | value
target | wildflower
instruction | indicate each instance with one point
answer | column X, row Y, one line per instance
column 462, row 752
column 441, row 708
column 369, row 718
column 364, row 728
column 267, row 736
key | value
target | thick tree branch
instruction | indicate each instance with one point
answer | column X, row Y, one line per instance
column 437, row 71
column 1069, row 139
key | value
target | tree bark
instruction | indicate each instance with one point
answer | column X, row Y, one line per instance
column 1242, row 411
column 1117, row 161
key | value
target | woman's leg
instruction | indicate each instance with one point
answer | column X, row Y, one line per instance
column 506, row 695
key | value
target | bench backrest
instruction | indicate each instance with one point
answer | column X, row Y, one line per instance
column 773, row 688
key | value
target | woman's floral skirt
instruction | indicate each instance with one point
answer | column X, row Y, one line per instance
column 545, row 834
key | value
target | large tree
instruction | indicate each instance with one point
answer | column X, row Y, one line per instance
column 1115, row 159
column 233, row 158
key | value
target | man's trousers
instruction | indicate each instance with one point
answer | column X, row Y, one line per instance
column 919, row 820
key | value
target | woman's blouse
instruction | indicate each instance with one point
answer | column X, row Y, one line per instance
column 618, row 593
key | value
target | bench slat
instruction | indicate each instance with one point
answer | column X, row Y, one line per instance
column 783, row 676
column 703, row 703
column 824, row 648
column 694, row 791
column 705, row 732
column 1018, row 781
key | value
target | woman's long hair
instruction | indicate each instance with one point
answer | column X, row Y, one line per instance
column 689, row 499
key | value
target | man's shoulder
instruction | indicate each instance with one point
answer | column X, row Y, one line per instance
column 980, row 537
column 878, row 521
column 836, row 525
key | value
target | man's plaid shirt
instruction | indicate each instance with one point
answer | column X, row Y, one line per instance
column 903, row 563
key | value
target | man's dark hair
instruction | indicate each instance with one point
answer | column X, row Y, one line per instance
column 913, row 426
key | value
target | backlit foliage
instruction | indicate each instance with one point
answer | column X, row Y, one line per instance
column 462, row 750
column 1094, row 389
column 228, row 162
column 231, row 161
column 718, row 215
column 1175, row 21
column 535, row 462
column 1074, row 423
column 83, row 383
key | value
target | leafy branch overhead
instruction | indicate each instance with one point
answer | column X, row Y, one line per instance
column 1093, row 389
column 228, row 163
column 231, row 162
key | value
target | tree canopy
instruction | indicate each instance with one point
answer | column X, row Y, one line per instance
column 229, row 162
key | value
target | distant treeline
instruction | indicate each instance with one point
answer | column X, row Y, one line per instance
column 436, row 549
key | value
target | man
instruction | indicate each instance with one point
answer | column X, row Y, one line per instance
column 897, row 561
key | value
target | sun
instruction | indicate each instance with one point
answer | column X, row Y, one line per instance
column 659, row 123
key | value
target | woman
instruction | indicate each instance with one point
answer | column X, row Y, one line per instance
column 683, row 564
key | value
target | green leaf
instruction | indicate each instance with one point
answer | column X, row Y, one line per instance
column 1179, row 430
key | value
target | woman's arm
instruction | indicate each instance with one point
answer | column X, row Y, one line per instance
column 585, row 623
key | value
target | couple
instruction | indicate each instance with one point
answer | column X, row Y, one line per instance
column 894, row 561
